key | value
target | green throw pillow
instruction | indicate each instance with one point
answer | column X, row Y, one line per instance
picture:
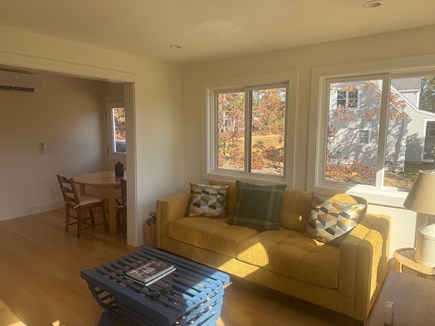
column 258, row 206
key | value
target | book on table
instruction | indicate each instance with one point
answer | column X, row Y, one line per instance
column 150, row 271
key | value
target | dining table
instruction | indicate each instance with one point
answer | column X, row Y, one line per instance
column 102, row 179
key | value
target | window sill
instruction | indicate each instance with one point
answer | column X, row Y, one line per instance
column 385, row 197
column 243, row 176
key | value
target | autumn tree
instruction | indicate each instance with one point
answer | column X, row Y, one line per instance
column 267, row 129
column 427, row 96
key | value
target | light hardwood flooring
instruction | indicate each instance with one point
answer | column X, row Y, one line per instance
column 40, row 279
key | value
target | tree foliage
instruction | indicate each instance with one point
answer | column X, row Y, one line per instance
column 119, row 121
column 427, row 96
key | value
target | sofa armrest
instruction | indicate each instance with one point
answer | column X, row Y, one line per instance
column 364, row 262
column 168, row 210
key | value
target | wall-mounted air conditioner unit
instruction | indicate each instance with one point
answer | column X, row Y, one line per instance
column 19, row 81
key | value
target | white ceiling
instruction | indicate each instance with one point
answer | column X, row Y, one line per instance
column 210, row 29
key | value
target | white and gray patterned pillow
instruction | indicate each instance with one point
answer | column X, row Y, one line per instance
column 207, row 200
column 331, row 219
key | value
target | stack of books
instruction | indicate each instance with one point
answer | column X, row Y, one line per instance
column 150, row 271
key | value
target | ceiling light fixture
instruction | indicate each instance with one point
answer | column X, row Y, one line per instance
column 175, row 46
column 373, row 4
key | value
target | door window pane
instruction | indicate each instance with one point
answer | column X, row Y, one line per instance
column 231, row 130
column 118, row 118
column 347, row 160
column 268, row 126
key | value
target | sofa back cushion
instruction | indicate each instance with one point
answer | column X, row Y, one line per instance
column 295, row 210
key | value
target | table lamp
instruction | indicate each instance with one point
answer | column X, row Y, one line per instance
column 421, row 199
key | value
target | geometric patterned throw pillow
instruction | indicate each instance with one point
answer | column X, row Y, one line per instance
column 331, row 219
column 207, row 200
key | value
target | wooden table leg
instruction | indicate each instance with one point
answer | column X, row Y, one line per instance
column 82, row 189
column 112, row 210
column 399, row 267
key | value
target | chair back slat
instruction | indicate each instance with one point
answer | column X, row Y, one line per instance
column 69, row 191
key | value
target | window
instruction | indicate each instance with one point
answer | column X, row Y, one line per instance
column 364, row 136
column 251, row 129
column 247, row 128
column 349, row 128
column 347, row 97
column 389, row 124
column 118, row 128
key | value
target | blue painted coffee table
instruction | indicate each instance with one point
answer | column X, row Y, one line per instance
column 191, row 295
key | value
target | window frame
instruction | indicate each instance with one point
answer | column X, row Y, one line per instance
column 397, row 68
column 210, row 168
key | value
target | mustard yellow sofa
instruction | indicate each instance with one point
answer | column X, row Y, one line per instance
column 344, row 278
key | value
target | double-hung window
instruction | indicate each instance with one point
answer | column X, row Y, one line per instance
column 247, row 130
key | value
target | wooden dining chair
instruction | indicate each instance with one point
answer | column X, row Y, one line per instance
column 121, row 208
column 78, row 206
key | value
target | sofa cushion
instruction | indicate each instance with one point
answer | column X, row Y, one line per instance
column 291, row 254
column 332, row 217
column 258, row 206
column 295, row 209
column 207, row 200
column 214, row 234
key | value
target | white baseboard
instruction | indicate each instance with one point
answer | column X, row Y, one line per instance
column 24, row 211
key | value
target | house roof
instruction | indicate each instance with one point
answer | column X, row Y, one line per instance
column 210, row 29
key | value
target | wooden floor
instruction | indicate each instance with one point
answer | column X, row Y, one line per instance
column 40, row 279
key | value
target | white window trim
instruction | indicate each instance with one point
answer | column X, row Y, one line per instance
column 209, row 166
column 387, row 196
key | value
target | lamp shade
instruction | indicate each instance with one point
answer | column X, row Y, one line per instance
column 421, row 197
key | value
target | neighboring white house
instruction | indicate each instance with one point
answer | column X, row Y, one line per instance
column 421, row 128
column 354, row 117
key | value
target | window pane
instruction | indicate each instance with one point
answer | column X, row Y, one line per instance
column 352, row 99
column 268, row 125
column 119, row 130
column 410, row 146
column 231, row 130
column 364, row 136
column 347, row 160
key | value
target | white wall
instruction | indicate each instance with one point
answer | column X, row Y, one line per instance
column 66, row 115
column 153, row 103
column 379, row 47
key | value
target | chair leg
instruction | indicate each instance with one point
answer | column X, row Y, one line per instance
column 66, row 219
column 79, row 222
column 91, row 213
column 124, row 222
column 103, row 212
column 118, row 219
